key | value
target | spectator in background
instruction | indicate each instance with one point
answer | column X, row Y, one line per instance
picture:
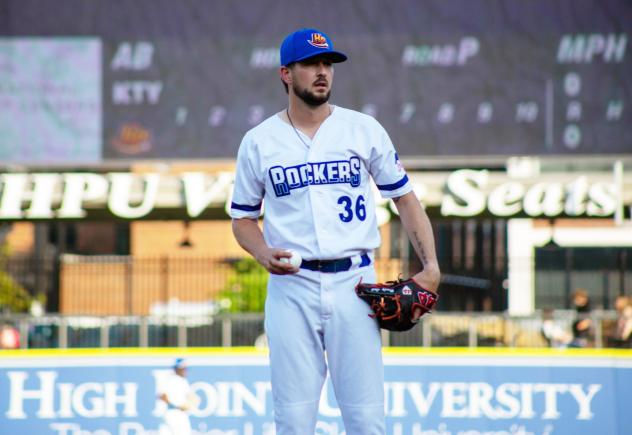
column 581, row 302
column 554, row 333
column 622, row 334
column 582, row 326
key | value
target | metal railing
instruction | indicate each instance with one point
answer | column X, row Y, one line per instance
column 226, row 330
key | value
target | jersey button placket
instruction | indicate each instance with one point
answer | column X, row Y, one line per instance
column 317, row 205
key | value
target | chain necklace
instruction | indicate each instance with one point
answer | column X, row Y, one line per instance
column 287, row 112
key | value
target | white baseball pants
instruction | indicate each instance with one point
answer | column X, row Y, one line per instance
column 176, row 423
column 311, row 313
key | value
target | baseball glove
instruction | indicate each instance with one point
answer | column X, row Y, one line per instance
column 394, row 302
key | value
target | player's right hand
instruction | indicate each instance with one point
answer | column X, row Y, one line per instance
column 270, row 259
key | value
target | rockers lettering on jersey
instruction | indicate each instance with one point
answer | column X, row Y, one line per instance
column 331, row 172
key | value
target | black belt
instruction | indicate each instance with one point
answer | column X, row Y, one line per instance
column 333, row 266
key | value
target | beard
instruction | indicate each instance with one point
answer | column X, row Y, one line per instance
column 310, row 98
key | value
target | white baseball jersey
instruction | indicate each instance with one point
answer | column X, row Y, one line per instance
column 318, row 198
column 177, row 389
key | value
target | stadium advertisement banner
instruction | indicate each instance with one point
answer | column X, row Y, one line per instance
column 199, row 194
column 429, row 392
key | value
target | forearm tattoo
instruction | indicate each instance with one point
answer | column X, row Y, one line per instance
column 421, row 250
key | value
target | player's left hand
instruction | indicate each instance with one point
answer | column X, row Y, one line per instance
column 394, row 302
column 429, row 279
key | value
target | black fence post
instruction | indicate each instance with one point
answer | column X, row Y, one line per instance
column 605, row 294
column 164, row 274
column 568, row 268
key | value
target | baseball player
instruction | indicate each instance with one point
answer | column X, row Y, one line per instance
column 311, row 165
column 176, row 392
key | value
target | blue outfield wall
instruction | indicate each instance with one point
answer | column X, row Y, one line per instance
column 428, row 392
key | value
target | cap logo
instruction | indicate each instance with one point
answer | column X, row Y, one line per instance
column 318, row 41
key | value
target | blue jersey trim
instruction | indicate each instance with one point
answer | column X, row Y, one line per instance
column 245, row 207
column 366, row 260
column 393, row 186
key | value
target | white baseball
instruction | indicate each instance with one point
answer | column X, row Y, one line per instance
column 294, row 260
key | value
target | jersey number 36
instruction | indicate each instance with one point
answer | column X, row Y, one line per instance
column 348, row 213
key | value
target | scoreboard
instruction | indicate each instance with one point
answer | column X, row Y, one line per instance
column 103, row 81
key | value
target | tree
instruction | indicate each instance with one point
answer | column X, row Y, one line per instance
column 13, row 297
column 245, row 291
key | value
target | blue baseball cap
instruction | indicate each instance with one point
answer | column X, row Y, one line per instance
column 306, row 43
column 180, row 364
